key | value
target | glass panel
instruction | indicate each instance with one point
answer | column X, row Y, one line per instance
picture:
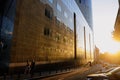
column 7, row 29
column 58, row 7
column 51, row 1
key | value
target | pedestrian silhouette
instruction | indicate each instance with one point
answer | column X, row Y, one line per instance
column 27, row 68
column 90, row 63
column 32, row 66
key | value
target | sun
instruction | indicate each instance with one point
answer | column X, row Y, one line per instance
column 111, row 46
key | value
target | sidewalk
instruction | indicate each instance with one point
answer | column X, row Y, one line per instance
column 68, row 74
column 77, row 74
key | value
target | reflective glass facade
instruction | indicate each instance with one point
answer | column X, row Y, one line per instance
column 46, row 31
column 7, row 15
column 85, row 7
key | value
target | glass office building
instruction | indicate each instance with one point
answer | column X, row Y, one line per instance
column 46, row 31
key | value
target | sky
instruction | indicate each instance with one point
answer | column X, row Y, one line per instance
column 104, row 16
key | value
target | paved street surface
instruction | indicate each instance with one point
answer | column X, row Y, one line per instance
column 78, row 74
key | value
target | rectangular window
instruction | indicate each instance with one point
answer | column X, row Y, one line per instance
column 79, row 1
column 51, row 1
column 46, row 31
column 65, row 14
column 58, row 7
column 48, row 13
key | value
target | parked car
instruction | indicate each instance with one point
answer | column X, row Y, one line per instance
column 109, row 74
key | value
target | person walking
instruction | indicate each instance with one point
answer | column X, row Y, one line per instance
column 27, row 68
column 1, row 47
column 32, row 66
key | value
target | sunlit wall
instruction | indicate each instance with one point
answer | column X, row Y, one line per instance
column 47, row 31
